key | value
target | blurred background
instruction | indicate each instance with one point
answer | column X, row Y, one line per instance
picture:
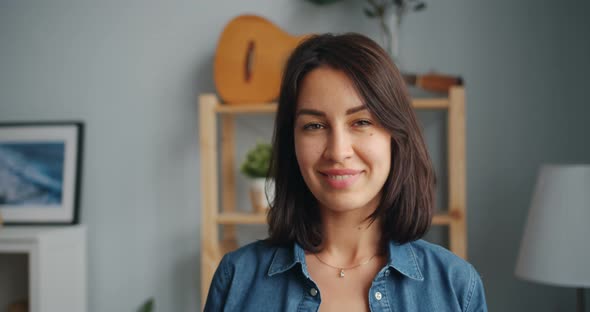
column 133, row 70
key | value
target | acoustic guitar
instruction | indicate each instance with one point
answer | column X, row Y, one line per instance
column 249, row 60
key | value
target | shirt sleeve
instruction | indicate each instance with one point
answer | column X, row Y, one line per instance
column 219, row 288
column 476, row 300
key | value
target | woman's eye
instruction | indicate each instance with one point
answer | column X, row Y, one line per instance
column 362, row 123
column 313, row 126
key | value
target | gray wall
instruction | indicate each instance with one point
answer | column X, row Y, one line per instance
column 132, row 71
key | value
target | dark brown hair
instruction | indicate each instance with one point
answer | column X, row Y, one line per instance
column 406, row 206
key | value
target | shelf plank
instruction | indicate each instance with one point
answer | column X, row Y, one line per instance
column 254, row 108
column 241, row 218
column 257, row 108
column 431, row 104
column 457, row 171
column 228, row 177
column 442, row 219
column 260, row 218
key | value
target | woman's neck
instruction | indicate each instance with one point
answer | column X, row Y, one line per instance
column 348, row 237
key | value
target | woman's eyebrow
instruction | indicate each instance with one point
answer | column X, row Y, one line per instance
column 353, row 110
column 315, row 112
column 308, row 111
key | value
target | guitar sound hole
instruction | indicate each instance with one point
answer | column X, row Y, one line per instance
column 249, row 61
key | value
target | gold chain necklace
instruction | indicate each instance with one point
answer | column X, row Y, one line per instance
column 341, row 269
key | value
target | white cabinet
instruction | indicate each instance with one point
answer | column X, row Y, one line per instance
column 47, row 265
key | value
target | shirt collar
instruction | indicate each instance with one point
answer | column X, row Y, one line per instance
column 402, row 258
column 286, row 258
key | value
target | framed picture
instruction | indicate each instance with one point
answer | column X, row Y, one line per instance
column 40, row 172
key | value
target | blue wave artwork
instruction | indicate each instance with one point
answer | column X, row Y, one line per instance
column 31, row 174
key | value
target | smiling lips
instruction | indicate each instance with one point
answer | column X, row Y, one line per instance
column 340, row 178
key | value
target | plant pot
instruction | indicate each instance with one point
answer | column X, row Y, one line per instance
column 258, row 196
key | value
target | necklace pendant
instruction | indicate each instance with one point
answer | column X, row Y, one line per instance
column 341, row 272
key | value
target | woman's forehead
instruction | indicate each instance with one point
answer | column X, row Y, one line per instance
column 329, row 90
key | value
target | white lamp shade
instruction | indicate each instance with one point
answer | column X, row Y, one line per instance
column 555, row 247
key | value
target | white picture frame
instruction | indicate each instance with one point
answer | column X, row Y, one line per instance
column 40, row 170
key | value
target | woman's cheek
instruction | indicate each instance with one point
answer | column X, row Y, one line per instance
column 306, row 152
column 375, row 149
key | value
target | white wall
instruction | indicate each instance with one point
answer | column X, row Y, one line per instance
column 132, row 70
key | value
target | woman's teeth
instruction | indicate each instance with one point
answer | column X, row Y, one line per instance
column 340, row 177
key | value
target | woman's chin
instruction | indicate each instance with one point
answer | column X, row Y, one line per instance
column 344, row 205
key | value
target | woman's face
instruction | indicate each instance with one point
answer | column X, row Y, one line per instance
column 343, row 153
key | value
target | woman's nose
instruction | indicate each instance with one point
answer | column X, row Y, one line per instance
column 339, row 145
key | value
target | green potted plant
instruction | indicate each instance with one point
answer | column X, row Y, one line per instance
column 255, row 167
column 147, row 306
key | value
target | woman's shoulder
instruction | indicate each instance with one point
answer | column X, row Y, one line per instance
column 431, row 251
column 435, row 259
column 439, row 265
column 240, row 274
column 253, row 253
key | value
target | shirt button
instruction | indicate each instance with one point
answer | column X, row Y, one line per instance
column 313, row 292
column 386, row 272
column 378, row 296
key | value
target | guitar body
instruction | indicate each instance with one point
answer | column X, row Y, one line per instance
column 249, row 60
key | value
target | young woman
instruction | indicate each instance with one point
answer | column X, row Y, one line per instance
column 354, row 189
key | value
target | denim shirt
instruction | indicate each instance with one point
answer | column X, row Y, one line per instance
column 419, row 276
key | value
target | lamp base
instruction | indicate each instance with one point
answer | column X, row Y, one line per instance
column 581, row 305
